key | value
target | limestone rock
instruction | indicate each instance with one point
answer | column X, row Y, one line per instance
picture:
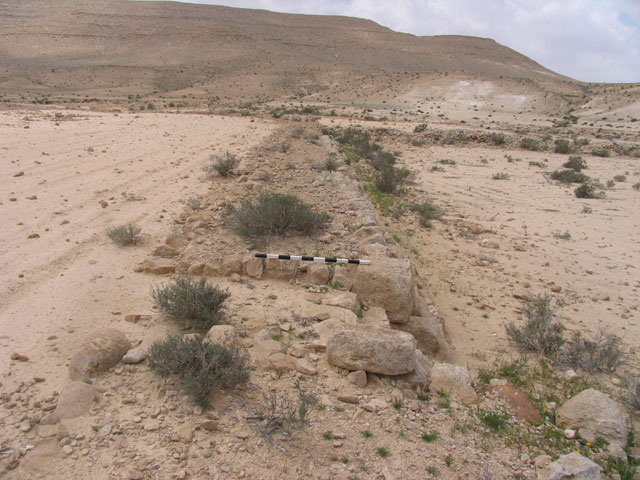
column 420, row 374
column 158, row 266
column 101, row 351
column 225, row 335
column 305, row 367
column 454, row 380
column 134, row 356
column 254, row 267
column 359, row 378
column 325, row 328
column 177, row 241
column 76, row 399
column 281, row 269
column 374, row 250
column 375, row 350
column 428, row 333
column 572, row 466
column 388, row 283
column 231, row 264
column 346, row 300
column 270, row 354
column 597, row 412
column 519, row 403
column 376, row 317
column 318, row 273
column 343, row 275
column 165, row 251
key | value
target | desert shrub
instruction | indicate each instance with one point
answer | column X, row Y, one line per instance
column 496, row 420
column 501, row 176
column 201, row 366
column 588, row 190
column 420, row 128
column 275, row 213
column 569, row 176
column 602, row 152
column 562, row 146
column 224, row 164
column 633, row 396
column 427, row 212
column 125, row 235
column 636, row 186
column 602, row 353
column 380, row 158
column 531, row 144
column 541, row 332
column 196, row 303
column 282, row 414
column 194, row 203
column 391, row 179
column 537, row 164
column 447, row 161
column 620, row 178
column 498, row 138
column 331, row 164
column 298, row 132
column 575, row 163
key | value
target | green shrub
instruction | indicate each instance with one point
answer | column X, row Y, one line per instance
column 125, row 235
column 569, row 176
column 531, row 144
column 380, row 158
column 620, row 178
column 427, row 212
column 498, row 138
column 541, row 333
column 275, row 213
column 602, row 152
column 562, row 146
column 196, row 303
column 201, row 366
column 575, row 163
column 391, row 179
column 496, row 420
column 537, row 164
column 501, row 176
column 602, row 353
column 447, row 161
column 420, row 128
column 636, row 186
column 224, row 164
column 588, row 190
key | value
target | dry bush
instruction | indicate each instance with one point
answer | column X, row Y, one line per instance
column 575, row 163
column 224, row 164
column 569, row 176
column 195, row 303
column 541, row 332
column 201, row 366
column 531, row 144
column 427, row 212
column 603, row 352
column 275, row 213
column 125, row 235
column 588, row 190
column 391, row 179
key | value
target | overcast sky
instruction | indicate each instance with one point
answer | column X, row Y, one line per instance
column 589, row 40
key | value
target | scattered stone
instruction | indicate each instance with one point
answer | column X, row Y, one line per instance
column 542, row 461
column 383, row 351
column 270, row 354
column 75, row 400
column 571, row 466
column 359, row 378
column 19, row 357
column 134, row 356
column 135, row 318
column 158, row 266
column 596, row 411
column 101, row 351
column 33, row 235
column 524, row 295
column 225, row 335
column 67, row 450
column 569, row 433
column 177, row 241
column 388, row 283
column 519, row 403
column 165, row 251
column 354, row 399
column 303, row 366
column 453, row 380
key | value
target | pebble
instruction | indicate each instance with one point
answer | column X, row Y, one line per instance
column 67, row 449
column 19, row 357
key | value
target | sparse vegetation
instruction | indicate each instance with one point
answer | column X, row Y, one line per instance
column 531, row 144
column 194, row 303
column 201, row 366
column 224, row 164
column 541, row 332
column 588, row 190
column 562, row 146
column 275, row 213
column 601, row 353
column 496, row 420
column 125, row 235
column 569, row 176
column 429, row 437
column 602, row 152
column 331, row 164
column 537, row 164
column 636, row 186
column 620, row 178
column 383, row 452
column 575, row 163
column 391, row 179
column 427, row 212
column 501, row 176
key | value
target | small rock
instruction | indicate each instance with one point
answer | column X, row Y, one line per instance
column 67, row 450
column 303, row 366
column 134, row 355
column 570, row 374
column 571, row 466
column 349, row 399
column 210, row 425
column 587, row 435
column 19, row 357
column 569, row 433
column 18, row 174
column 494, row 382
column 33, row 235
column 359, row 378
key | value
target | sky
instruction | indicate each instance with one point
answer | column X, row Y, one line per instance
column 589, row 40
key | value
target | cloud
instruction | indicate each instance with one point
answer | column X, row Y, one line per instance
column 590, row 40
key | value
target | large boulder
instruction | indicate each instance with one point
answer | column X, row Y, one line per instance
column 375, row 350
column 344, row 274
column 101, row 351
column 388, row 283
column 429, row 334
column 596, row 411
column 319, row 273
column 76, row 399
column 280, row 269
column 420, row 374
column 572, row 466
column 454, row 380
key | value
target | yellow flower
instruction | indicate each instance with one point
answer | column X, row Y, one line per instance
column 588, row 444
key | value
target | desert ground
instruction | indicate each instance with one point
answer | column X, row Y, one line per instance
column 110, row 130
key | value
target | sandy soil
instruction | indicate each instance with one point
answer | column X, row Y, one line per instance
column 83, row 173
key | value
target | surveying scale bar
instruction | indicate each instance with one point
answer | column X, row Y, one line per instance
column 305, row 258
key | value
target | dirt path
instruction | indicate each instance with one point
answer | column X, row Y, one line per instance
column 81, row 174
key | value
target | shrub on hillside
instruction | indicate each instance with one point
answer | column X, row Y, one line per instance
column 125, row 235
column 575, row 163
column 201, row 366
column 531, row 144
column 195, row 303
column 588, row 190
column 541, row 332
column 569, row 176
column 562, row 146
column 275, row 213
column 224, row 164
column 601, row 353
column 602, row 152
column 391, row 179
column 427, row 212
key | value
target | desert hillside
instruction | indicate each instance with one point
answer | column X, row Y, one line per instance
column 149, row 151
